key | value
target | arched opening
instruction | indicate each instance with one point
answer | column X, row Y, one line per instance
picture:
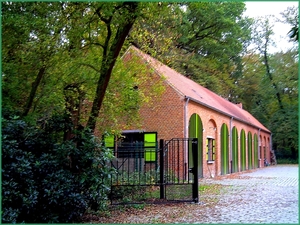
column 250, row 153
column 243, row 150
column 196, row 131
column 255, row 148
column 234, row 147
column 265, row 150
column 211, row 144
column 224, row 150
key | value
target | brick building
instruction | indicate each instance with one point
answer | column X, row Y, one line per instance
column 230, row 138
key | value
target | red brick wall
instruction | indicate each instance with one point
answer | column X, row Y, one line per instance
column 166, row 116
column 209, row 117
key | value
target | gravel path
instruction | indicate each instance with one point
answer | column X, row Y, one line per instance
column 267, row 195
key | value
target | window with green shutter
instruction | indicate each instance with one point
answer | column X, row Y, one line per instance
column 109, row 141
column 210, row 149
column 150, row 147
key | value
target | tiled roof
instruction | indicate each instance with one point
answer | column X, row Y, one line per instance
column 199, row 94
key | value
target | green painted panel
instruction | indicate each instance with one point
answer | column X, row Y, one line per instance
column 224, row 150
column 243, row 150
column 255, row 148
column 150, row 147
column 109, row 141
column 213, row 149
column 235, row 159
column 207, row 149
column 196, row 131
column 250, row 152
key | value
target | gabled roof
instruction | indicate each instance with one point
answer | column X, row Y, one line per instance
column 197, row 93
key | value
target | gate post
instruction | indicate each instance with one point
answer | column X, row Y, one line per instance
column 161, row 168
column 195, row 170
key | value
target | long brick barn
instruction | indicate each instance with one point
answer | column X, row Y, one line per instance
column 230, row 138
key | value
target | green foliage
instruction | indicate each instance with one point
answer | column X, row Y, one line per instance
column 202, row 40
column 291, row 17
column 55, row 48
column 47, row 180
column 261, row 96
column 212, row 39
column 287, row 161
column 30, row 41
column 129, row 89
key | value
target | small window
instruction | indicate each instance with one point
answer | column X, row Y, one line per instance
column 210, row 149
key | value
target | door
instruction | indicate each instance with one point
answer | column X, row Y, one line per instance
column 196, row 131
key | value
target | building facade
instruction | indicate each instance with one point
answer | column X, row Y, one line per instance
column 230, row 138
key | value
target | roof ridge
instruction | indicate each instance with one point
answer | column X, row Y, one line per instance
column 190, row 89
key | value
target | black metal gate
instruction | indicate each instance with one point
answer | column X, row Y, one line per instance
column 155, row 174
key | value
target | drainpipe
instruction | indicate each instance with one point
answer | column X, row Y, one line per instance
column 230, row 143
column 185, row 118
column 258, row 149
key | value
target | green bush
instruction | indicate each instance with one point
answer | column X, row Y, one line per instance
column 46, row 179
column 287, row 161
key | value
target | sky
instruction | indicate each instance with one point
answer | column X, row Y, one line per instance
column 256, row 9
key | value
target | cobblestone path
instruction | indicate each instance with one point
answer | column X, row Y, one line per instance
column 261, row 196
column 267, row 195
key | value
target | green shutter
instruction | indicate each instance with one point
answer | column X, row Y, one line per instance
column 150, row 147
column 207, row 149
column 224, row 150
column 109, row 141
column 213, row 149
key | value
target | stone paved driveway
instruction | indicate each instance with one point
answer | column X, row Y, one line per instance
column 267, row 195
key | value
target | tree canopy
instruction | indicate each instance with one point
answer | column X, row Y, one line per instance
column 58, row 56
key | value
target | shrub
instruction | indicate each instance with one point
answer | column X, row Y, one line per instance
column 46, row 179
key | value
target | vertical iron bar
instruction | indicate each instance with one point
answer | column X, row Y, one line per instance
column 195, row 157
column 111, row 184
column 161, row 168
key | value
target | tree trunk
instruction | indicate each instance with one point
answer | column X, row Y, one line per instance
column 278, row 96
column 109, row 60
column 34, row 88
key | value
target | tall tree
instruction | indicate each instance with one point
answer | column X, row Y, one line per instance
column 49, row 47
column 291, row 17
column 118, row 22
column 262, row 38
column 284, row 121
column 29, row 44
column 213, row 34
column 189, row 38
